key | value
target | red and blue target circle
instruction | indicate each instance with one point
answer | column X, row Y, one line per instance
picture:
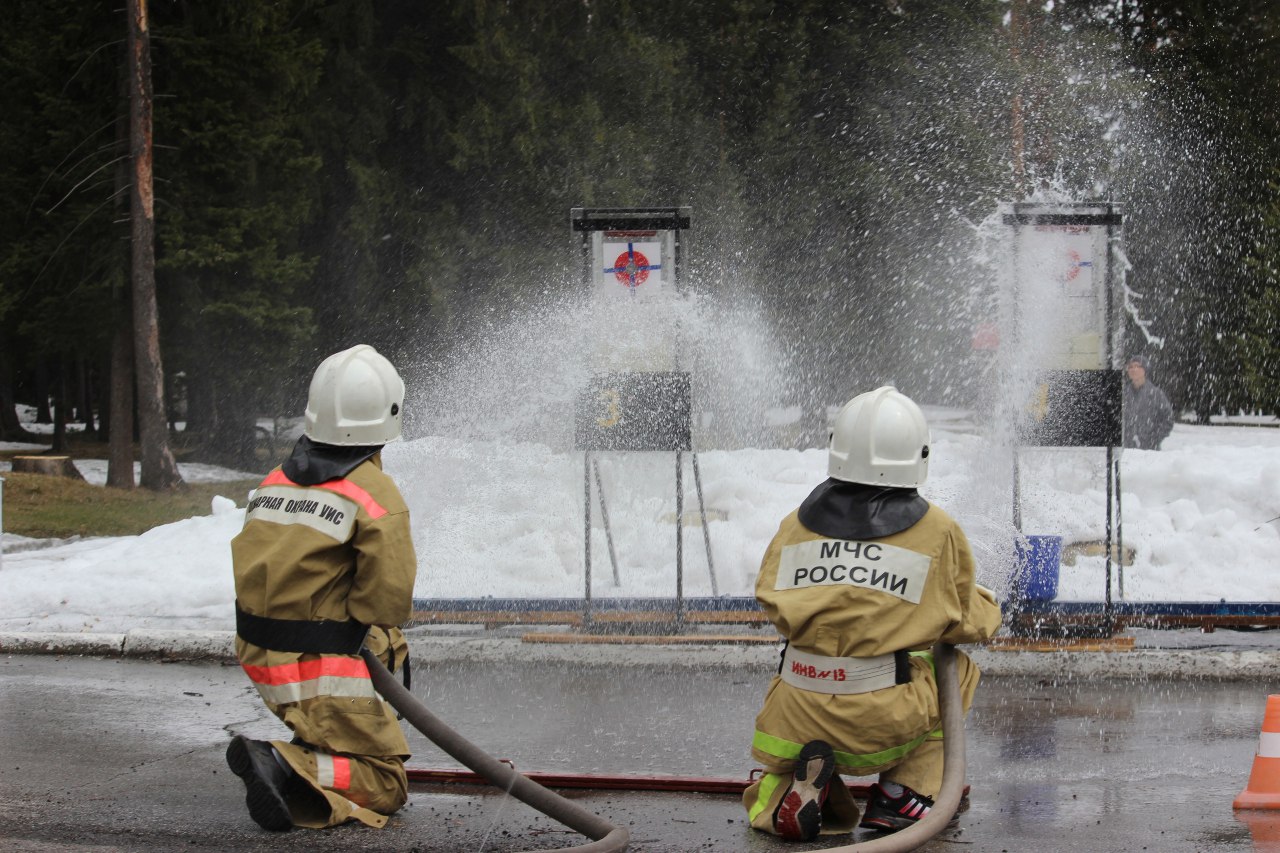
column 632, row 268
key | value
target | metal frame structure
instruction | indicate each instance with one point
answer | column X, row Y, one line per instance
column 1108, row 215
column 585, row 223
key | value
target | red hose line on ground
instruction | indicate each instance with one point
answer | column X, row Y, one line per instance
column 609, row 781
column 606, row 838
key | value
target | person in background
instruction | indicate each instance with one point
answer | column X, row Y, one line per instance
column 1148, row 417
column 861, row 581
column 323, row 567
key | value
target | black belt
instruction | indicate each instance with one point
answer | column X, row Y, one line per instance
column 319, row 637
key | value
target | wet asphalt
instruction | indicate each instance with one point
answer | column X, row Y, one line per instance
column 120, row 755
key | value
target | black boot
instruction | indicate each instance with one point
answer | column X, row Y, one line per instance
column 264, row 781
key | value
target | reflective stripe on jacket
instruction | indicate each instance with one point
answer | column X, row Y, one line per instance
column 338, row 550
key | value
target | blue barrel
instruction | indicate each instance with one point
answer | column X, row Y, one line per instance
column 1035, row 575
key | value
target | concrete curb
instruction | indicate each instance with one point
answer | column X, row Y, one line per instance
column 139, row 643
column 1137, row 664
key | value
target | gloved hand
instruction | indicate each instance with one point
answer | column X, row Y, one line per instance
column 388, row 645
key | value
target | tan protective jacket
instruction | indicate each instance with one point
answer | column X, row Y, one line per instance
column 840, row 598
column 338, row 550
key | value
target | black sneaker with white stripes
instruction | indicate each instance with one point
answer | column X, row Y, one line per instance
column 890, row 814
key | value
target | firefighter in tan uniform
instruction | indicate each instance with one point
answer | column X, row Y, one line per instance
column 861, row 581
column 324, row 565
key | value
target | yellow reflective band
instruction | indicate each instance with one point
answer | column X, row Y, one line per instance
column 769, row 783
column 936, row 734
column 927, row 655
column 786, row 749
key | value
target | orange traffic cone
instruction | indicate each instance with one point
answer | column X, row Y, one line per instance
column 1264, row 827
column 1263, row 790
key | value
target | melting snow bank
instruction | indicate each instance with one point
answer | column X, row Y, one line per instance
column 503, row 520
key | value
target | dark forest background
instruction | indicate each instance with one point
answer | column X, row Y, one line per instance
column 329, row 173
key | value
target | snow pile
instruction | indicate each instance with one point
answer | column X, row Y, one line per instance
column 506, row 520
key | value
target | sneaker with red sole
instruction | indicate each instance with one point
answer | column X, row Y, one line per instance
column 799, row 814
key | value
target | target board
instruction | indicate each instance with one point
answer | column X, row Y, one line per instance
column 1060, row 266
column 631, row 254
column 1073, row 408
column 1064, row 318
column 635, row 411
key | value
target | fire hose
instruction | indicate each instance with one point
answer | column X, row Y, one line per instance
column 605, row 837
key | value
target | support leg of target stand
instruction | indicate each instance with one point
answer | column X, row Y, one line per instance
column 586, row 539
column 604, row 517
column 706, row 534
column 679, row 540
column 1119, row 530
column 1109, row 542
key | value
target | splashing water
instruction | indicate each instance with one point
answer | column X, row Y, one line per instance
column 519, row 381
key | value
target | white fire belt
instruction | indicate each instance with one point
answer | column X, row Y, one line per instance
column 822, row 674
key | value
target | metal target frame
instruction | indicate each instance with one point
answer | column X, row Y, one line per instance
column 644, row 410
column 1081, row 407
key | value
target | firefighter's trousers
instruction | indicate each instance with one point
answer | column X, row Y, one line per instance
column 920, row 770
column 343, row 787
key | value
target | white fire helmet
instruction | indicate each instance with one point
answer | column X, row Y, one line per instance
column 356, row 398
column 880, row 438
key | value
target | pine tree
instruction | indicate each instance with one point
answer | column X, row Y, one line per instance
column 237, row 184
column 61, row 252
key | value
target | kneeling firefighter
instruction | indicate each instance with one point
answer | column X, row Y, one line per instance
column 323, row 566
column 861, row 581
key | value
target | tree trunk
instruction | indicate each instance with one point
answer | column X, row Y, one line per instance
column 234, row 442
column 120, row 445
column 60, row 411
column 159, row 470
column 200, row 410
column 10, row 426
column 118, row 418
column 84, row 390
column 103, row 391
column 41, row 384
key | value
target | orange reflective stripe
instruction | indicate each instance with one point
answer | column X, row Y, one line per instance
column 333, row 771
column 341, row 772
column 346, row 488
column 306, row 670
